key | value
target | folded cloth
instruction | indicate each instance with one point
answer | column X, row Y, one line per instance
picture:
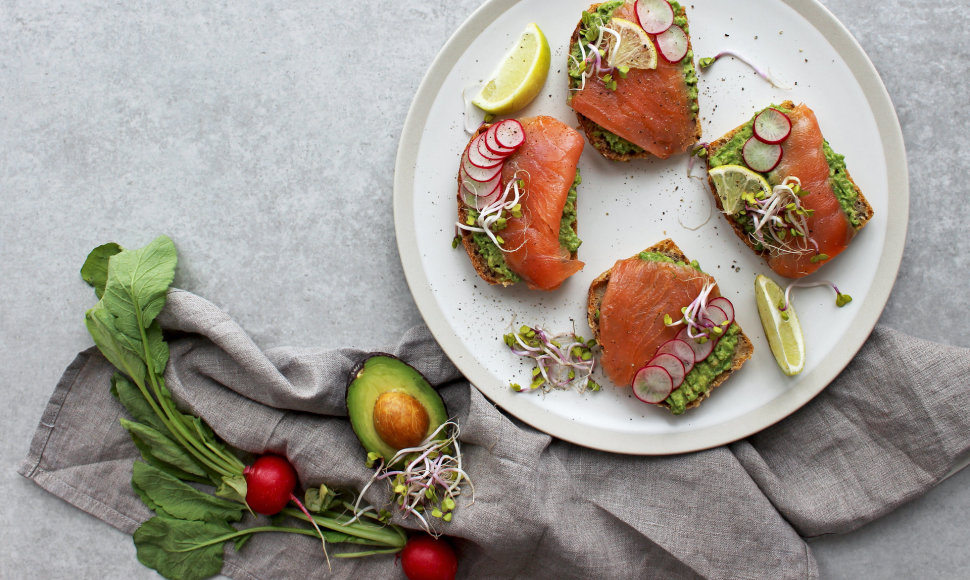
column 892, row 425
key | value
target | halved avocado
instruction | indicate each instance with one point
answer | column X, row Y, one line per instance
column 391, row 405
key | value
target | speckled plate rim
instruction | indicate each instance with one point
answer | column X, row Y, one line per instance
column 661, row 444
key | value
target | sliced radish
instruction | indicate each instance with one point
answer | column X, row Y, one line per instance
column 725, row 305
column 654, row 16
column 760, row 156
column 481, row 188
column 510, row 134
column 673, row 365
column 480, row 174
column 772, row 126
column 476, row 158
column 480, row 202
column 702, row 350
column 487, row 153
column 652, row 384
column 681, row 350
column 493, row 145
column 673, row 44
column 713, row 315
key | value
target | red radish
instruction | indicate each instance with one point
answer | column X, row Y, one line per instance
column 771, row 126
column 485, row 152
column 478, row 173
column 654, row 16
column 652, row 384
column 673, row 365
column 479, row 202
column 701, row 349
column 760, row 156
column 673, row 44
column 510, row 134
column 270, row 481
column 480, row 188
column 725, row 305
column 427, row 558
column 493, row 145
column 476, row 158
column 681, row 350
column 714, row 315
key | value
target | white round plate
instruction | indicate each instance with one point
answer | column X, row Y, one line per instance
column 625, row 207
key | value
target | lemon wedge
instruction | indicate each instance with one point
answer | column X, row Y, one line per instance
column 732, row 182
column 634, row 49
column 782, row 329
column 519, row 77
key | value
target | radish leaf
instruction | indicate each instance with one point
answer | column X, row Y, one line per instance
column 170, row 496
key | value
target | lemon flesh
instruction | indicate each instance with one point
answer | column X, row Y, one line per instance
column 519, row 77
column 784, row 335
column 733, row 182
column 634, row 49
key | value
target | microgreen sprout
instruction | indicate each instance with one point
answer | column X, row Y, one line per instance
column 780, row 221
column 494, row 216
column 587, row 58
column 699, row 327
column 424, row 480
column 840, row 298
column 562, row 361
column 763, row 73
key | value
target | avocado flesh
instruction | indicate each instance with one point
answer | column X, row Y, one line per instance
column 380, row 374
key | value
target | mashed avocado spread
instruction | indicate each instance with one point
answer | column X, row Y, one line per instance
column 698, row 381
column 730, row 154
column 568, row 239
column 589, row 32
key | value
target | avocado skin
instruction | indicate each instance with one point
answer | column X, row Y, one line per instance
column 379, row 373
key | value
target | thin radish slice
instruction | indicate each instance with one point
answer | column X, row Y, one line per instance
column 476, row 158
column 673, row 44
column 510, row 134
column 479, row 188
column 480, row 202
column 494, row 146
column 713, row 315
column 673, row 365
column 702, row 350
column 654, row 16
column 771, row 126
column 679, row 349
column 760, row 156
column 487, row 153
column 652, row 385
column 482, row 175
column 725, row 305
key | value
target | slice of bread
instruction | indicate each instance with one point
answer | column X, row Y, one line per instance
column 592, row 130
column 667, row 247
column 479, row 262
column 863, row 208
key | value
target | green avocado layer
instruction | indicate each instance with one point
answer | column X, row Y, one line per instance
column 698, row 381
column 568, row 238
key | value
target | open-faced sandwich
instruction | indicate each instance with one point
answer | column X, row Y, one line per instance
column 785, row 192
column 517, row 187
column 664, row 328
column 632, row 81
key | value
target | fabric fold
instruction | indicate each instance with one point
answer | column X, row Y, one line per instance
column 891, row 426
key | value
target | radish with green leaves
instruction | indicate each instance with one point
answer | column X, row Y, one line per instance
column 427, row 558
column 185, row 538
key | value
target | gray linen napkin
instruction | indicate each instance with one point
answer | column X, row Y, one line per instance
column 886, row 430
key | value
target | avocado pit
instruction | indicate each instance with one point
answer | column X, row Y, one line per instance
column 400, row 420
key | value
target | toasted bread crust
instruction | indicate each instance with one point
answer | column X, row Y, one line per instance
column 668, row 248
column 468, row 242
column 862, row 206
column 589, row 127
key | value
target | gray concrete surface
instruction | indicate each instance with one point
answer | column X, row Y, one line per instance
column 261, row 137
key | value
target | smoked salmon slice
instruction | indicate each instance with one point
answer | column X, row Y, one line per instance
column 546, row 163
column 651, row 108
column 631, row 314
column 803, row 157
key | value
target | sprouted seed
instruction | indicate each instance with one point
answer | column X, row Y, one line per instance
column 424, row 480
column 763, row 73
column 693, row 315
column 840, row 298
column 780, row 222
column 562, row 361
